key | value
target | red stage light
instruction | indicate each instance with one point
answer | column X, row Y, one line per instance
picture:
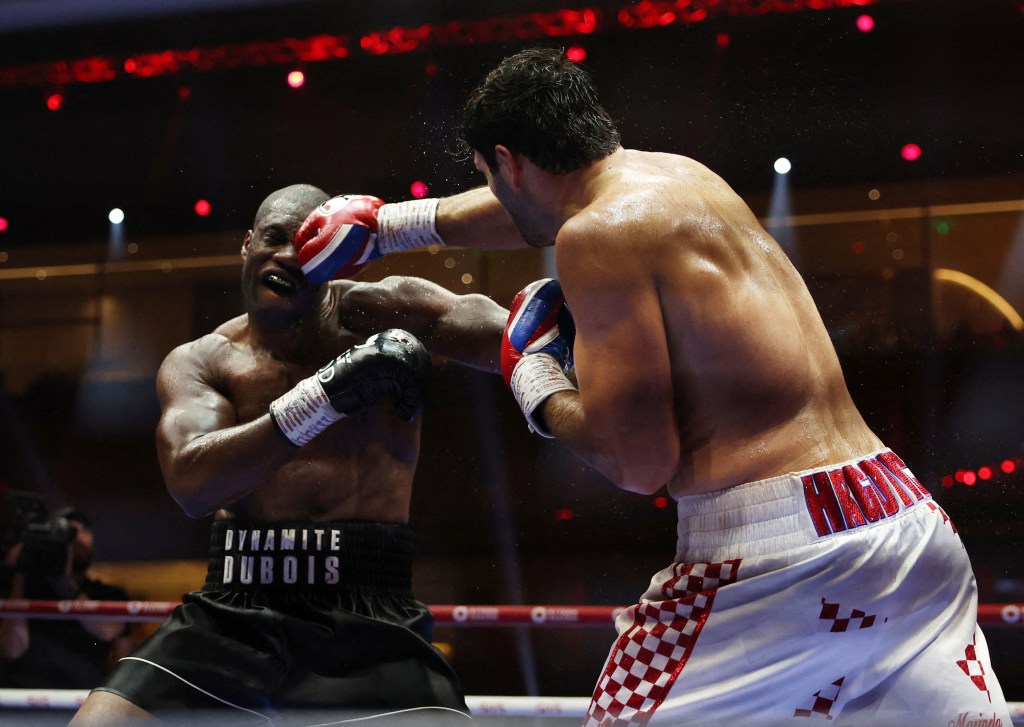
column 722, row 40
column 661, row 502
column 985, row 473
column 1008, row 466
column 576, row 53
column 184, row 92
column 3, row 224
column 296, row 79
column 865, row 23
column 498, row 29
column 202, row 208
column 970, row 478
column 419, row 189
column 54, row 101
column 857, row 247
column 564, row 514
column 910, row 152
column 947, row 481
column 959, row 476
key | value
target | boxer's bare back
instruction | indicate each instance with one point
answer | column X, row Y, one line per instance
column 724, row 324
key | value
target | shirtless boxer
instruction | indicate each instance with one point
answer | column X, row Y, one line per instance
column 814, row 577
column 307, row 603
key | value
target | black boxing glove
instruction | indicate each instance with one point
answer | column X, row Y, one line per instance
column 389, row 364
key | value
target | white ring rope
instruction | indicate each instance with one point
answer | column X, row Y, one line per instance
column 1000, row 615
column 481, row 706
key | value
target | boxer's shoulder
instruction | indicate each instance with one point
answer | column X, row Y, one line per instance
column 634, row 212
column 233, row 329
column 212, row 355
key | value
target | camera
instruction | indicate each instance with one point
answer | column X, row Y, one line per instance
column 25, row 519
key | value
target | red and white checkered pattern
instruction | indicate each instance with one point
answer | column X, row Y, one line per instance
column 974, row 669
column 824, row 700
column 856, row 620
column 649, row 656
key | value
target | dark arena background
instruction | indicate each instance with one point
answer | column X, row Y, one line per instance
column 880, row 141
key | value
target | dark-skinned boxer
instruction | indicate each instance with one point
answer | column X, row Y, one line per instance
column 296, row 425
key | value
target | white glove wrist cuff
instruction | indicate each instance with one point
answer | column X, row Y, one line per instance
column 534, row 379
column 404, row 226
column 303, row 412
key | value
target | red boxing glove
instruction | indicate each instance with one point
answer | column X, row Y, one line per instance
column 339, row 238
column 539, row 321
column 536, row 348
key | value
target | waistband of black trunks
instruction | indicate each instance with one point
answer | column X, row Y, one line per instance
column 337, row 555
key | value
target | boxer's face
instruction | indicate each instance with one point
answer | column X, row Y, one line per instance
column 274, row 287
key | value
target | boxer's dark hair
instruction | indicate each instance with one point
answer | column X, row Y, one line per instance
column 542, row 105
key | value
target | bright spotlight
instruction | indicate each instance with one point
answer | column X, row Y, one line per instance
column 782, row 165
column 116, row 216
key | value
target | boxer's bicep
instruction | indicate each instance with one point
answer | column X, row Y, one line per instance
column 190, row 406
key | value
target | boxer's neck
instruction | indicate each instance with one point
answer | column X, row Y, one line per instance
column 297, row 342
column 557, row 198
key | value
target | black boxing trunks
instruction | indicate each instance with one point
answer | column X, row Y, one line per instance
column 296, row 616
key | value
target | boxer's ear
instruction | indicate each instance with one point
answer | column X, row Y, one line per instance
column 245, row 242
column 510, row 165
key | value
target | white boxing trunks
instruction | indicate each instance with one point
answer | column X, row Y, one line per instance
column 842, row 595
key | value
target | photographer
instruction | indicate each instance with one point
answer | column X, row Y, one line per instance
column 51, row 562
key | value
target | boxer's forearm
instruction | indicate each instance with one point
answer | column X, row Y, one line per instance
column 461, row 328
column 628, row 467
column 470, row 333
column 216, row 469
column 476, row 219
column 564, row 417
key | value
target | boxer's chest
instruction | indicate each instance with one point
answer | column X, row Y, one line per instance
column 253, row 381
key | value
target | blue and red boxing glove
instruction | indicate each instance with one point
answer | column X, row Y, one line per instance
column 536, row 348
column 339, row 238
column 344, row 234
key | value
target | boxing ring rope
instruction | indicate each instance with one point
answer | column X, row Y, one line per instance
column 480, row 706
column 1008, row 615
column 989, row 614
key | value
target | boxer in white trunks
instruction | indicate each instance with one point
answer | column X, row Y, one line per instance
column 815, row 577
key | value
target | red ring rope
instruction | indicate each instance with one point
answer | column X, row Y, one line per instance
column 989, row 614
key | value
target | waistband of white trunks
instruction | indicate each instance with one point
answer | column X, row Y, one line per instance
column 795, row 509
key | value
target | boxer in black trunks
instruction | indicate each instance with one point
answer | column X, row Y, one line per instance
column 308, row 469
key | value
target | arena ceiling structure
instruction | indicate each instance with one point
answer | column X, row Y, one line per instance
column 184, row 113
